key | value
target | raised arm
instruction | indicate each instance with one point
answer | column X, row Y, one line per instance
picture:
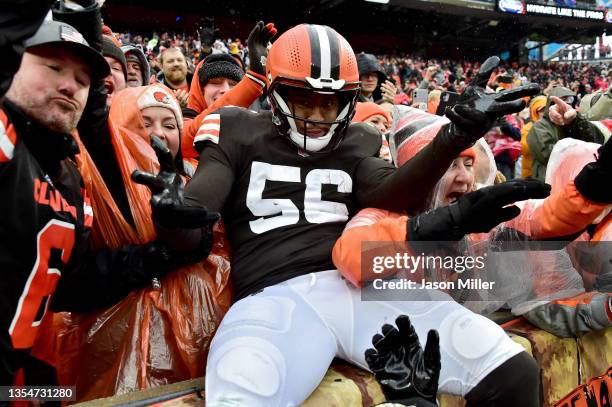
column 407, row 187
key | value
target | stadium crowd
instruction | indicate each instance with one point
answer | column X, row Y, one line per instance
column 131, row 165
column 407, row 69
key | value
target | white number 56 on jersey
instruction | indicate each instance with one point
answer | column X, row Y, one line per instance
column 316, row 210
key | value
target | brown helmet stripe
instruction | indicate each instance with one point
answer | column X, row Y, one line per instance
column 324, row 52
column 315, row 52
column 334, row 54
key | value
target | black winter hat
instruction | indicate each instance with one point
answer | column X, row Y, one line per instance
column 109, row 49
column 219, row 66
column 133, row 51
column 368, row 63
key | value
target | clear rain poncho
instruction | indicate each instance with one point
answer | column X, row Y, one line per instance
column 526, row 274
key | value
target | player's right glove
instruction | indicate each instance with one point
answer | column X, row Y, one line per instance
column 407, row 374
column 171, row 214
column 477, row 110
column 593, row 181
column 167, row 202
column 476, row 212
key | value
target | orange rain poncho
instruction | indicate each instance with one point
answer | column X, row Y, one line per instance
column 156, row 335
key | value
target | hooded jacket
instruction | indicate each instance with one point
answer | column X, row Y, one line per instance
column 368, row 63
column 243, row 94
column 536, row 104
column 597, row 106
column 563, row 213
column 125, row 114
column 145, row 68
column 545, row 134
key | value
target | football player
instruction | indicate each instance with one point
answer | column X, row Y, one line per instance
column 286, row 182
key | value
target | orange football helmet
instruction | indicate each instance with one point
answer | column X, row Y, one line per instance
column 314, row 58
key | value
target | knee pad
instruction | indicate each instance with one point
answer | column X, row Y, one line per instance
column 273, row 313
column 471, row 336
column 246, row 371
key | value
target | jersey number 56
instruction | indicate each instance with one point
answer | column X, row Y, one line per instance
column 316, row 210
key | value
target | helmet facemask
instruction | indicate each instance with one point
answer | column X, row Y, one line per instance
column 288, row 123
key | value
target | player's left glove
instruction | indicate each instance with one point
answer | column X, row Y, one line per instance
column 477, row 110
column 591, row 181
column 257, row 42
column 404, row 370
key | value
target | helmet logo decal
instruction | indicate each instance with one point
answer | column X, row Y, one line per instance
column 322, row 83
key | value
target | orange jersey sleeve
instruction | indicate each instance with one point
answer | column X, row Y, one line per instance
column 369, row 225
column 243, row 95
column 564, row 213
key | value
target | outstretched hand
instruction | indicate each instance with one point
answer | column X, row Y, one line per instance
column 207, row 31
column 482, row 210
column 399, row 363
column 561, row 113
column 388, row 90
column 477, row 110
column 167, row 201
column 476, row 212
column 591, row 181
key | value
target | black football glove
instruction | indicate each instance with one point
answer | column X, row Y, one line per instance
column 476, row 212
column 593, row 181
column 401, row 366
column 167, row 202
column 20, row 20
column 207, row 32
column 257, row 42
column 476, row 111
column 87, row 20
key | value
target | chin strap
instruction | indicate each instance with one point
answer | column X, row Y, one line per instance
column 306, row 143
